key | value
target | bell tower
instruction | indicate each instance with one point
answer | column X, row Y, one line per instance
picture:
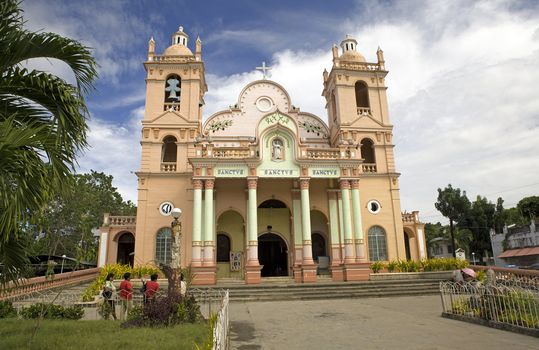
column 355, row 92
column 175, row 88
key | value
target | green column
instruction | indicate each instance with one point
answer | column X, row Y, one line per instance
column 306, row 222
column 334, row 228
column 347, row 221
column 209, row 244
column 298, row 234
column 197, row 222
column 358, row 225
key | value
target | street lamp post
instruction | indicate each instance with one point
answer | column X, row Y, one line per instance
column 62, row 268
column 174, row 269
column 473, row 258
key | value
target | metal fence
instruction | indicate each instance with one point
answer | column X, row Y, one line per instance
column 214, row 302
column 513, row 304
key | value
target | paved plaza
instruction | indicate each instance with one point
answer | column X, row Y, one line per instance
column 373, row 323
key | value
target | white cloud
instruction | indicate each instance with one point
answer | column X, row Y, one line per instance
column 115, row 150
column 461, row 92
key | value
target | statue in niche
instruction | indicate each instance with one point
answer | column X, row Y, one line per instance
column 277, row 148
column 173, row 88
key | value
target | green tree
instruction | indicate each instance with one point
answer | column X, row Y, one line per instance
column 529, row 207
column 500, row 216
column 480, row 220
column 454, row 205
column 66, row 223
column 42, row 125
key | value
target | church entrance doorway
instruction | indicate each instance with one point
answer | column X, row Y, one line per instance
column 273, row 255
column 126, row 249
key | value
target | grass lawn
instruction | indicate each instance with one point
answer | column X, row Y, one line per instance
column 59, row 334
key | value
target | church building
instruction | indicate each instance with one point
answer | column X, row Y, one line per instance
column 265, row 188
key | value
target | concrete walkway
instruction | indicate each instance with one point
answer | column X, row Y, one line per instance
column 373, row 323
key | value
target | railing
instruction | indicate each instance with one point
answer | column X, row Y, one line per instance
column 360, row 66
column 515, row 305
column 320, row 153
column 231, row 152
column 174, row 106
column 38, row 284
column 409, row 217
column 168, row 167
column 159, row 58
column 215, row 302
column 369, row 168
column 122, row 220
column 363, row 111
column 512, row 277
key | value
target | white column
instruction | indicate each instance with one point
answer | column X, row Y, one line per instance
column 103, row 245
column 334, row 229
column 306, row 222
column 421, row 240
column 347, row 222
column 252, row 224
column 209, row 244
column 197, row 222
column 358, row 225
column 298, row 234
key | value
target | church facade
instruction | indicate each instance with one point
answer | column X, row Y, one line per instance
column 265, row 188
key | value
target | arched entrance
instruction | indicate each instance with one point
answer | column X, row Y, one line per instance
column 126, row 249
column 273, row 255
column 319, row 245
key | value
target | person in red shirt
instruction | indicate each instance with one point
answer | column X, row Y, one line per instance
column 126, row 296
column 152, row 287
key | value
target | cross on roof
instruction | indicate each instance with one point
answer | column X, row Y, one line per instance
column 264, row 69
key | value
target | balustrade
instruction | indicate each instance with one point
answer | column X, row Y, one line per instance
column 168, row 166
column 231, row 152
column 363, row 111
column 171, row 106
column 320, row 153
column 122, row 220
column 369, row 168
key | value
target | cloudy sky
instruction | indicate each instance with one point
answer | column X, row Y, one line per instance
column 463, row 78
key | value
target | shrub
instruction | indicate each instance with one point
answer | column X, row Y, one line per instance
column 7, row 310
column 166, row 311
column 377, row 266
column 392, row 266
column 118, row 270
column 53, row 312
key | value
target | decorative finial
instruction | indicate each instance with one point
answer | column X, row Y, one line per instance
column 180, row 29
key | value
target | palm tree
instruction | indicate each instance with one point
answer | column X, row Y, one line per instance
column 42, row 125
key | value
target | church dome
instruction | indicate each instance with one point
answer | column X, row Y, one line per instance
column 179, row 44
column 348, row 46
column 177, row 50
column 352, row 56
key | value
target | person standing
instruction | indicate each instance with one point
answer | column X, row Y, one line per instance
column 109, row 292
column 152, row 287
column 126, row 295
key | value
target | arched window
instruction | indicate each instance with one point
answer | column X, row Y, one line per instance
column 367, row 151
column 169, row 149
column 334, row 107
column 163, row 246
column 173, row 88
column 223, row 248
column 362, row 94
column 377, row 244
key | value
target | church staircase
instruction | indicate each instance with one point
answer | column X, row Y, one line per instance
column 284, row 288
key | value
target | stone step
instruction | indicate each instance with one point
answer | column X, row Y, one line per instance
column 330, row 290
column 370, row 294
